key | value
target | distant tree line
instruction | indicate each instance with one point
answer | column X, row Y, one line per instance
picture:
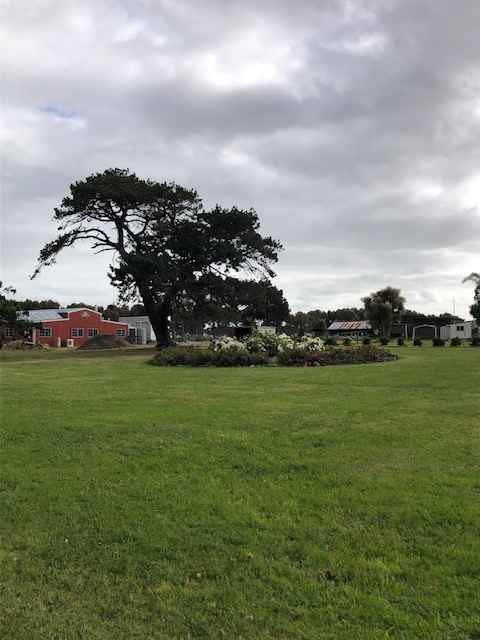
column 248, row 303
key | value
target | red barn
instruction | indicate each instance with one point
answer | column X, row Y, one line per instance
column 71, row 327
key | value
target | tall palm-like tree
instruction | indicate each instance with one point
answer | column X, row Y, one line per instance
column 473, row 277
column 475, row 308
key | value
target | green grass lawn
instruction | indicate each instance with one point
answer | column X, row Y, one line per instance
column 138, row 502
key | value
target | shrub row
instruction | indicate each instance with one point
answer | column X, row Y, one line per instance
column 334, row 355
column 454, row 342
column 174, row 356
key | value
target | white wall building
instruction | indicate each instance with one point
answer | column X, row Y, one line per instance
column 267, row 330
column 462, row 330
column 139, row 328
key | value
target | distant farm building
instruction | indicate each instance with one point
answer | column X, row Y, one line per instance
column 351, row 329
column 140, row 330
column 70, row 327
column 425, row 331
column 462, row 330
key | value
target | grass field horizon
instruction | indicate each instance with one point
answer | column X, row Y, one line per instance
column 333, row 503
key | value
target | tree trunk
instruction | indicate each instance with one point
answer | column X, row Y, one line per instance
column 158, row 315
column 161, row 327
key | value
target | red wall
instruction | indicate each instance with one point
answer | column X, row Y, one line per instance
column 84, row 319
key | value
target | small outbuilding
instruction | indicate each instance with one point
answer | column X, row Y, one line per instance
column 351, row 329
column 140, row 330
column 461, row 330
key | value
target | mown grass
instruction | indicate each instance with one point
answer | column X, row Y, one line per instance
column 151, row 503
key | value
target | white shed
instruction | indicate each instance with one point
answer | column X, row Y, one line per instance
column 139, row 328
column 462, row 330
column 267, row 329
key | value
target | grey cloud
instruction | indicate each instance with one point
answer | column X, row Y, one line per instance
column 353, row 128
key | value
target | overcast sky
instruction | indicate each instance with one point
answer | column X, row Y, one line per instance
column 353, row 127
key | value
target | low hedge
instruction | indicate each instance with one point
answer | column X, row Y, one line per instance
column 104, row 342
column 347, row 355
column 177, row 356
column 294, row 357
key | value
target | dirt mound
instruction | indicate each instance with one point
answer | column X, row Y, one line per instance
column 105, row 342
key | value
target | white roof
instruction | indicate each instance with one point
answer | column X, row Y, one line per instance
column 43, row 315
column 128, row 319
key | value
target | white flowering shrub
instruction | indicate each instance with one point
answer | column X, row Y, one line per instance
column 229, row 344
column 308, row 343
column 284, row 342
column 269, row 343
column 255, row 343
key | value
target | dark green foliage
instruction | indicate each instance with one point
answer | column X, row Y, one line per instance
column 347, row 342
column 438, row 342
column 331, row 341
column 169, row 251
column 80, row 305
column 475, row 341
column 317, row 321
column 113, row 312
column 455, row 342
column 175, row 356
column 417, row 342
column 475, row 308
column 366, row 341
column 230, row 301
column 319, row 327
column 8, row 307
column 414, row 318
column 137, row 310
column 260, row 301
column 384, row 341
column 401, row 342
column 349, row 355
column 37, row 304
column 9, row 310
column 382, row 308
column 104, row 342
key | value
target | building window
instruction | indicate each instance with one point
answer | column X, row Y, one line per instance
column 45, row 332
column 77, row 333
column 8, row 333
column 460, row 327
column 120, row 332
column 92, row 333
